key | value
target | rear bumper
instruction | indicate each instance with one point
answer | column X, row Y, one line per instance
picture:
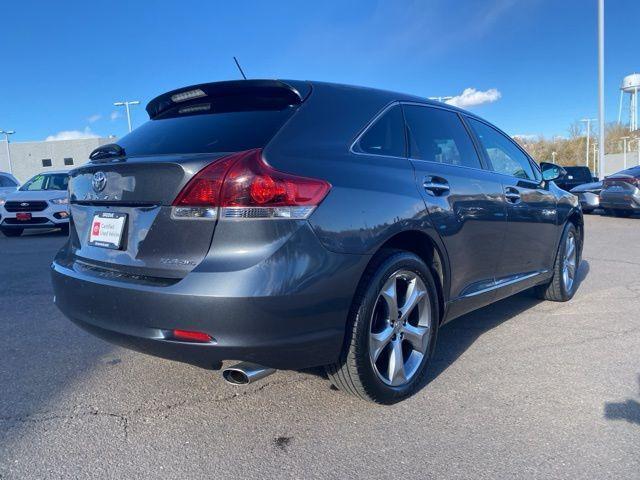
column 620, row 201
column 281, row 318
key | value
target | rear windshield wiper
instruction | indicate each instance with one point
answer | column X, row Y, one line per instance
column 109, row 151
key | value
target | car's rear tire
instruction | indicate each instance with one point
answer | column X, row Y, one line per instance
column 385, row 353
column 563, row 284
column 12, row 232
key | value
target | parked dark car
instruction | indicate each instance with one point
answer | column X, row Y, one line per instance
column 574, row 177
column 291, row 224
column 620, row 195
column 588, row 195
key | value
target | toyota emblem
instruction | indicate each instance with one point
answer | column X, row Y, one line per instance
column 99, row 181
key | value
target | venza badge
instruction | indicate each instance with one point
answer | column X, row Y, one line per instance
column 99, row 181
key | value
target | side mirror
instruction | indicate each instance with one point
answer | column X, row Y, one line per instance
column 551, row 171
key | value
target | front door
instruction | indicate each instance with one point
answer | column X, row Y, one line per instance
column 529, row 247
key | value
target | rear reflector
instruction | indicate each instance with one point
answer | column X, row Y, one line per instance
column 189, row 336
column 244, row 186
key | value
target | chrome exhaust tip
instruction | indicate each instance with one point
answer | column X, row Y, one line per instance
column 245, row 373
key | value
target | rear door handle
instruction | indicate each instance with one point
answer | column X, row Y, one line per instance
column 436, row 186
column 512, row 195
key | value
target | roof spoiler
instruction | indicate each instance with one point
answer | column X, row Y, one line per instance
column 289, row 93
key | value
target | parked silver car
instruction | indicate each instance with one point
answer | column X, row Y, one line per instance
column 620, row 193
column 589, row 195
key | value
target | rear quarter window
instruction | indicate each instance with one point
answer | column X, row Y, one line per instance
column 385, row 136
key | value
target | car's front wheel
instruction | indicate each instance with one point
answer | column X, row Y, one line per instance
column 12, row 232
column 391, row 331
column 564, row 282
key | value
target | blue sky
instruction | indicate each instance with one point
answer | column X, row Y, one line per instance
column 64, row 63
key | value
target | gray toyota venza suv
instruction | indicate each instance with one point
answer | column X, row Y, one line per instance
column 293, row 224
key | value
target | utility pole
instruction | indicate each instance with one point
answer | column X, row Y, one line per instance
column 6, row 137
column 588, row 122
column 126, row 104
column 553, row 157
column 601, row 86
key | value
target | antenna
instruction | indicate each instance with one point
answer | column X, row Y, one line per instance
column 239, row 68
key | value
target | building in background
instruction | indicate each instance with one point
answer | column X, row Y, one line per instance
column 30, row 158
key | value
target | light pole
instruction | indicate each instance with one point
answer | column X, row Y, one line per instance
column 588, row 122
column 624, row 149
column 636, row 139
column 553, row 157
column 126, row 104
column 6, row 137
column 601, row 86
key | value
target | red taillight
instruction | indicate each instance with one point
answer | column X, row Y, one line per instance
column 203, row 190
column 252, row 183
column 245, row 186
column 607, row 182
column 189, row 336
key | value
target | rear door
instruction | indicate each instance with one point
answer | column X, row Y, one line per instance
column 532, row 231
column 465, row 201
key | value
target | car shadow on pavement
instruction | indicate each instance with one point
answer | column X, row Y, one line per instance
column 456, row 337
column 628, row 410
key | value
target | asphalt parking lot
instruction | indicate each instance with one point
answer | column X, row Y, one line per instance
column 520, row 389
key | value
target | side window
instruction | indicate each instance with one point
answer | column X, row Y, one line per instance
column 385, row 136
column 438, row 135
column 504, row 155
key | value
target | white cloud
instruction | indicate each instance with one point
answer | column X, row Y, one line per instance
column 72, row 135
column 470, row 97
column 94, row 118
column 115, row 115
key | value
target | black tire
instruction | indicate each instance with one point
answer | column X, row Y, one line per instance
column 618, row 212
column 12, row 232
column 556, row 290
column 354, row 372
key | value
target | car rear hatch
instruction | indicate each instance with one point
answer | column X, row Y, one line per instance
column 620, row 184
column 123, row 225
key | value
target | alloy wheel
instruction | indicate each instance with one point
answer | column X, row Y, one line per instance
column 569, row 262
column 400, row 328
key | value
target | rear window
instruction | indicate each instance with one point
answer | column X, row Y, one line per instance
column 579, row 173
column 191, row 129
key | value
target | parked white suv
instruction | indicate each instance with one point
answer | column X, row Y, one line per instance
column 42, row 202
